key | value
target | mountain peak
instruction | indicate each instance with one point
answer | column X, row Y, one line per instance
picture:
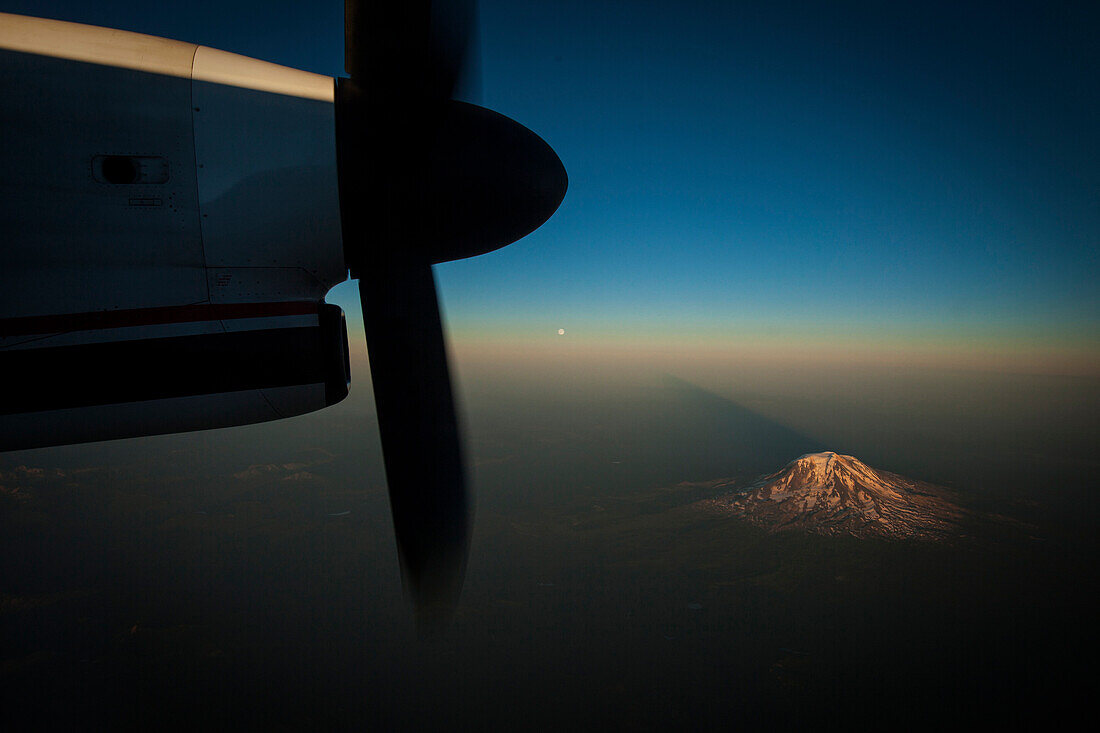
column 832, row 493
column 827, row 460
column 822, row 457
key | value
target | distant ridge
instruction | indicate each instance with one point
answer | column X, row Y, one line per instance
column 830, row 493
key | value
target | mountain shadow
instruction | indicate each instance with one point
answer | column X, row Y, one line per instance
column 620, row 442
column 720, row 437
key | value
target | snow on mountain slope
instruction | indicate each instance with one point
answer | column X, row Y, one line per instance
column 829, row 493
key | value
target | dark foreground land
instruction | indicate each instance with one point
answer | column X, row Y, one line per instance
column 244, row 603
column 247, row 578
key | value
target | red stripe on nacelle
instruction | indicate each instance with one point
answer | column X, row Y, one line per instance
column 67, row 322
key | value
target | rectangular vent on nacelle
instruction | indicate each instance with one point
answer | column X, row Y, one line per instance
column 128, row 169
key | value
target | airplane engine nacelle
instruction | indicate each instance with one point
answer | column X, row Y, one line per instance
column 170, row 224
column 127, row 373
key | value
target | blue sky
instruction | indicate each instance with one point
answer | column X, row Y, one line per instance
column 911, row 169
column 927, row 167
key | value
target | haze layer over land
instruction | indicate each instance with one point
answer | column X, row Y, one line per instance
column 235, row 565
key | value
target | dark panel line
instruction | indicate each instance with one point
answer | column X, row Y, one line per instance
column 66, row 322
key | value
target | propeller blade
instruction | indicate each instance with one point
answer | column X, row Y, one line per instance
column 416, row 49
column 419, row 430
column 425, row 179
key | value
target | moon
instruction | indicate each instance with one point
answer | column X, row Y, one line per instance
column 561, row 331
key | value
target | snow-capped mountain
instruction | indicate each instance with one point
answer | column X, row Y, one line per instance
column 829, row 493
